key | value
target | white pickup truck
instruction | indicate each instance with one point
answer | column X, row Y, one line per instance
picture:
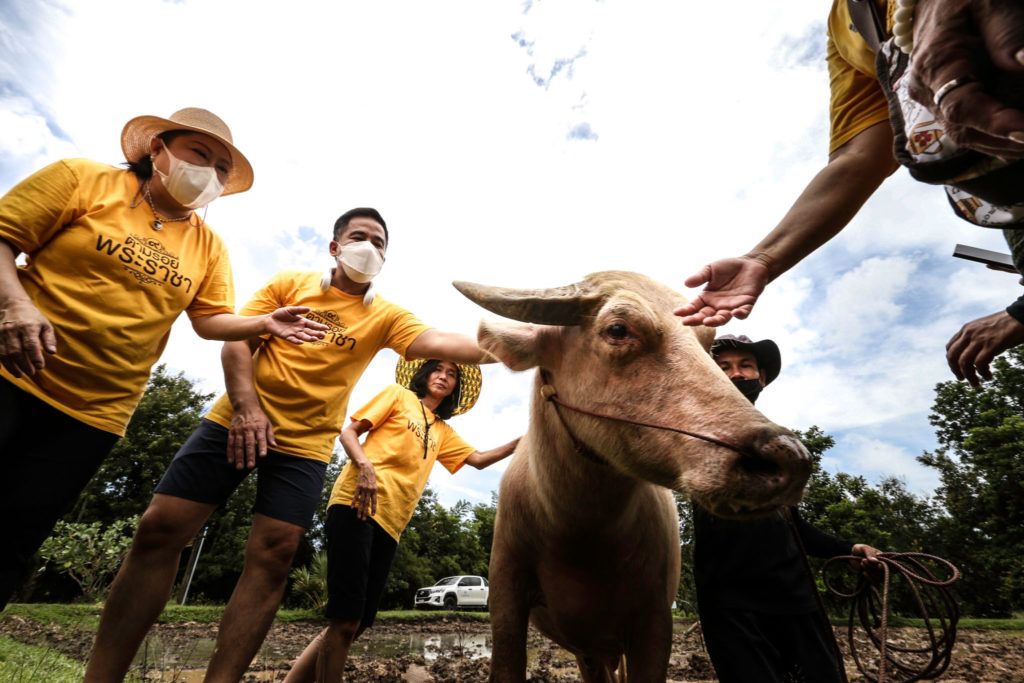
column 454, row 592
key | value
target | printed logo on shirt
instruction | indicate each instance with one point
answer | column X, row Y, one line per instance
column 146, row 259
column 335, row 334
column 419, row 430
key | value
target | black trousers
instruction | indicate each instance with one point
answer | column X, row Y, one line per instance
column 46, row 459
column 754, row 647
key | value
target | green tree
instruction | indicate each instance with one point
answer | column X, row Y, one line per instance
column 981, row 469
column 168, row 413
column 89, row 553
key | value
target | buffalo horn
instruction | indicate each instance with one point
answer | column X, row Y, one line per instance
column 568, row 305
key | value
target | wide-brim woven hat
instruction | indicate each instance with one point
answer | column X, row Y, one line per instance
column 766, row 351
column 470, row 381
column 138, row 133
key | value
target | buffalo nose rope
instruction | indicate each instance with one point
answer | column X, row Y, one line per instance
column 871, row 606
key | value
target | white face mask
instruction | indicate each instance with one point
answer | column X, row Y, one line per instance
column 190, row 185
column 360, row 260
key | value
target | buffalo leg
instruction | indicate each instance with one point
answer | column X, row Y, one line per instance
column 594, row 671
column 650, row 647
column 510, row 599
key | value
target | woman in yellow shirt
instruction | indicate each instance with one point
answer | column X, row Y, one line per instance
column 113, row 257
column 376, row 494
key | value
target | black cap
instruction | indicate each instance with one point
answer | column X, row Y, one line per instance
column 766, row 352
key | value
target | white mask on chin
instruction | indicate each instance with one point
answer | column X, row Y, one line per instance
column 190, row 185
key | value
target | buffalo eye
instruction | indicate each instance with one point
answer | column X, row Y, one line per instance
column 617, row 332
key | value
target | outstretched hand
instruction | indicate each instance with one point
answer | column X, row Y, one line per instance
column 964, row 40
column 971, row 349
column 732, row 288
column 288, row 324
column 24, row 334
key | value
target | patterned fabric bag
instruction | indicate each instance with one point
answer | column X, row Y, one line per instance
column 982, row 189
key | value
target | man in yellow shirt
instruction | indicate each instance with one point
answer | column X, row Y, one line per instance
column 281, row 413
column 946, row 35
column 376, row 494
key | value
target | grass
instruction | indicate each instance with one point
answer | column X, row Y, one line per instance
column 86, row 617
column 29, row 663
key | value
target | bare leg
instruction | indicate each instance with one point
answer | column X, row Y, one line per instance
column 334, row 647
column 304, row 668
column 247, row 618
column 143, row 584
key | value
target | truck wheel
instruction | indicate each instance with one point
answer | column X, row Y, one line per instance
column 450, row 601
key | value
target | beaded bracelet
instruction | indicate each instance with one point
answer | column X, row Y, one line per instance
column 903, row 26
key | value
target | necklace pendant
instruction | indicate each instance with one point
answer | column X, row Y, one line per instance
column 157, row 225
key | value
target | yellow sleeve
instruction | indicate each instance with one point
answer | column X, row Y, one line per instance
column 267, row 299
column 35, row 209
column 380, row 407
column 216, row 293
column 857, row 101
column 405, row 327
column 454, row 451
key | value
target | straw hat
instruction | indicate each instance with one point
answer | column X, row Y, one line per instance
column 138, row 133
column 470, row 381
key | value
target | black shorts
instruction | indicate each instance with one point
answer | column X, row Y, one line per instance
column 359, row 557
column 288, row 487
column 46, row 458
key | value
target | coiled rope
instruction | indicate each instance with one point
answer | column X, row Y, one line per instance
column 871, row 606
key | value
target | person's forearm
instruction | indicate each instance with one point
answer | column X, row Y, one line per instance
column 450, row 346
column 230, row 327
column 350, row 442
column 11, row 291
column 819, row 543
column 830, row 200
column 482, row 459
column 236, row 359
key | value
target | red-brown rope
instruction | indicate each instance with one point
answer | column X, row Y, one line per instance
column 872, row 609
column 551, row 394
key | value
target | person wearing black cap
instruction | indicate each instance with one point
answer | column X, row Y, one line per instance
column 757, row 604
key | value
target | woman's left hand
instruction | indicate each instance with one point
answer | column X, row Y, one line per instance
column 365, row 500
column 288, row 324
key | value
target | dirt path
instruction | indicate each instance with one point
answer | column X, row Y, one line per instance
column 450, row 651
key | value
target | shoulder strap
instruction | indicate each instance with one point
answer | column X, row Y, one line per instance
column 869, row 25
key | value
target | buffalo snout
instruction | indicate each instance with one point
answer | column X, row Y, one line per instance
column 769, row 475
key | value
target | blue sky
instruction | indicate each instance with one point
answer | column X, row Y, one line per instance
column 527, row 144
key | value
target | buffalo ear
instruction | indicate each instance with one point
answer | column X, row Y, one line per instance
column 514, row 344
column 705, row 335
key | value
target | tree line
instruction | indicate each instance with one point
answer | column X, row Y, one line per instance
column 975, row 518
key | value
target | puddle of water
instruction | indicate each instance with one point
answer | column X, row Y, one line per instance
column 197, row 675
column 169, row 660
column 429, row 645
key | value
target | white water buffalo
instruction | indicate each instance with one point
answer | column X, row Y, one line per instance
column 586, row 540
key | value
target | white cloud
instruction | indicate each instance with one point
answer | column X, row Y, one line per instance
column 876, row 459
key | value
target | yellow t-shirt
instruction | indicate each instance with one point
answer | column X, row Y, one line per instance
column 109, row 283
column 395, row 447
column 304, row 389
column 857, row 101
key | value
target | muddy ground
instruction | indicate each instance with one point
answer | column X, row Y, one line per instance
column 978, row 656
